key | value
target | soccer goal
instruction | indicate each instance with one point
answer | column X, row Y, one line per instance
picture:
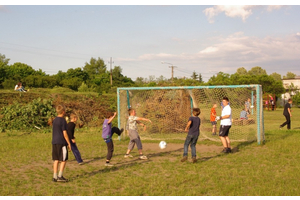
column 169, row 109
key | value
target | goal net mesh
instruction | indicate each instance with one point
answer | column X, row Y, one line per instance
column 169, row 109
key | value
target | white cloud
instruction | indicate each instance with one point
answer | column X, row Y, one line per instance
column 242, row 11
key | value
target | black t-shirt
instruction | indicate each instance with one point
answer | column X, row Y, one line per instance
column 59, row 125
column 194, row 127
column 71, row 130
column 285, row 111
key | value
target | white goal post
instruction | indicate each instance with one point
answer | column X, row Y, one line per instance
column 170, row 107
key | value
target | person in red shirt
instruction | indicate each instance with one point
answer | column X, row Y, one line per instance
column 213, row 121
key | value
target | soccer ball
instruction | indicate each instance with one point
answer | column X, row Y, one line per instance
column 251, row 106
column 162, row 145
column 217, row 118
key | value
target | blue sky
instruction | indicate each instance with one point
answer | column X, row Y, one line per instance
column 201, row 38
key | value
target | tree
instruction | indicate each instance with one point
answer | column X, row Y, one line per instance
column 276, row 76
column 18, row 71
column 256, row 71
column 95, row 67
column 289, row 75
column 77, row 72
column 221, row 79
column 194, row 76
column 3, row 65
column 241, row 71
column 200, row 78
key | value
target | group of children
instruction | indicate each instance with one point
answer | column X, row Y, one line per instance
column 63, row 139
column 63, row 136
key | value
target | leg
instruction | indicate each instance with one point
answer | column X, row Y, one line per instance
column 110, row 150
column 193, row 146
column 55, row 168
column 116, row 130
column 76, row 152
column 227, row 141
column 186, row 145
column 130, row 147
column 288, row 121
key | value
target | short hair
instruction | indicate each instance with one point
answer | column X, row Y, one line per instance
column 73, row 115
column 226, row 98
column 290, row 99
column 196, row 111
column 108, row 114
column 130, row 110
column 60, row 109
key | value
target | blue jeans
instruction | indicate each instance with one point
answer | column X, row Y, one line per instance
column 76, row 152
column 190, row 140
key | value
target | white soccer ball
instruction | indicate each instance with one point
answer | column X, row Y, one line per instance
column 162, row 145
column 251, row 106
column 217, row 118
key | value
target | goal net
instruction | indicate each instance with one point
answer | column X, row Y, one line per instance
column 169, row 109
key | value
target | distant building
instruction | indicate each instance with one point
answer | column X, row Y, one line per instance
column 286, row 84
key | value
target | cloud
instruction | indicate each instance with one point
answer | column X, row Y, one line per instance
column 242, row 11
column 228, row 53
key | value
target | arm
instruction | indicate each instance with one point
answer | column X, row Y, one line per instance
column 67, row 139
column 289, row 110
column 188, row 126
column 110, row 119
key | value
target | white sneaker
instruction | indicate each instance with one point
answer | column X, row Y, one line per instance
column 143, row 157
column 128, row 156
column 109, row 165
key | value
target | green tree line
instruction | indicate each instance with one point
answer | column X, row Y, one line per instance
column 95, row 77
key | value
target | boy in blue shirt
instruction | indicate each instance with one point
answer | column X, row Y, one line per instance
column 107, row 133
column 60, row 144
column 192, row 128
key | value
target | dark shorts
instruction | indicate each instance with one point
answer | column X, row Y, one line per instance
column 213, row 122
column 59, row 152
column 224, row 130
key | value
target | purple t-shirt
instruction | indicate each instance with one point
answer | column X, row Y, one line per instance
column 194, row 127
column 106, row 130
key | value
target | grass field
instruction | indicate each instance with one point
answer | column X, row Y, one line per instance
column 271, row 169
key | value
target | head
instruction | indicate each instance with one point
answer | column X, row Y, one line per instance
column 225, row 101
column 109, row 114
column 248, row 100
column 60, row 110
column 19, row 84
column 131, row 112
column 290, row 101
column 215, row 105
column 73, row 117
column 196, row 111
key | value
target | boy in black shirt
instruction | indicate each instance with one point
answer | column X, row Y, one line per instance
column 60, row 142
column 287, row 113
column 192, row 128
column 70, row 131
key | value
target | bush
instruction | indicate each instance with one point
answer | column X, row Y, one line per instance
column 26, row 117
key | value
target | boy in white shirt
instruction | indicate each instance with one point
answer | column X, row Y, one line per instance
column 225, row 125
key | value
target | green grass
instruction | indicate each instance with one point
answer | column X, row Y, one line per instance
column 270, row 169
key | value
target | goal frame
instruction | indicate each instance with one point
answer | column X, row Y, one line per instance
column 256, row 87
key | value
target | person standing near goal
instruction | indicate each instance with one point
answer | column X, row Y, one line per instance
column 134, row 135
column 213, row 114
column 225, row 125
column 192, row 128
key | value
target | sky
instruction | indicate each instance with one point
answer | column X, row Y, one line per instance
column 147, row 39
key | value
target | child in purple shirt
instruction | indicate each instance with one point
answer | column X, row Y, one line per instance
column 107, row 133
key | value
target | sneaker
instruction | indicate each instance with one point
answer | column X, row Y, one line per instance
column 280, row 127
column 109, row 165
column 54, row 179
column 194, row 160
column 143, row 157
column 184, row 158
column 228, row 150
column 224, row 150
column 62, row 179
column 81, row 163
column 128, row 156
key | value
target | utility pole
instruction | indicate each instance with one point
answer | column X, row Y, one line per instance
column 110, row 62
column 172, row 66
column 172, row 71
